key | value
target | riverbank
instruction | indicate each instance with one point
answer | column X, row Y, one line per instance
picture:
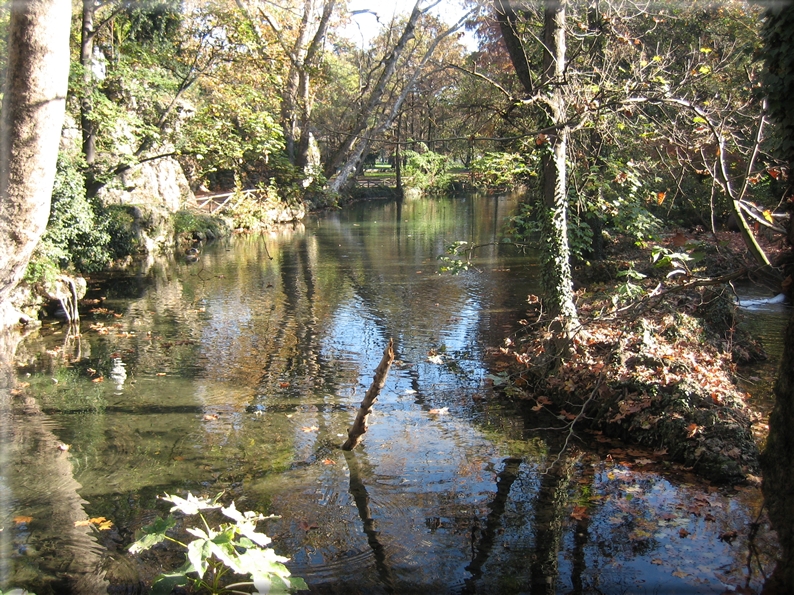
column 653, row 364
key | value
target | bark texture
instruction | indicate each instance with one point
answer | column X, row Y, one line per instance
column 32, row 116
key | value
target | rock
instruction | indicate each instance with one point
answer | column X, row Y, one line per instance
column 160, row 183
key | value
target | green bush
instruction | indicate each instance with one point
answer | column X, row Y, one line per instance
column 426, row 171
column 501, row 171
column 187, row 222
column 76, row 236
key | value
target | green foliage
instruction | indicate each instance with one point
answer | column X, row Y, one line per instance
column 186, row 221
column 427, row 171
column 453, row 262
column 75, row 237
column 233, row 133
column 82, row 234
column 527, row 226
column 501, row 171
column 618, row 195
column 250, row 211
column 231, row 547
column 628, row 290
column 677, row 261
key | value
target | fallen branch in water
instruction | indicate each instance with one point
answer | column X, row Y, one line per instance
column 359, row 427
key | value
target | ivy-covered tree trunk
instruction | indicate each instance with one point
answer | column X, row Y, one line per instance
column 558, row 282
column 557, row 279
column 34, row 102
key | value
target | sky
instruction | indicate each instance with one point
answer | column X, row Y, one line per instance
column 365, row 26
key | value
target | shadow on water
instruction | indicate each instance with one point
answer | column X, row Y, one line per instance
column 243, row 371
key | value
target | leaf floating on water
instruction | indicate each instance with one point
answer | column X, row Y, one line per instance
column 579, row 513
column 729, row 536
column 101, row 523
column 680, row 574
column 308, row 429
column 21, row 519
column 307, row 526
column 441, row 411
column 683, row 533
column 435, row 359
column 283, row 384
column 329, row 462
column 657, row 561
column 210, row 416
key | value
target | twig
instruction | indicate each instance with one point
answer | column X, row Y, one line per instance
column 359, row 427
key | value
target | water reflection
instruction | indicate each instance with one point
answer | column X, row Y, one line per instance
column 244, row 369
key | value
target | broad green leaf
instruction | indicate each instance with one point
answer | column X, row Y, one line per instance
column 153, row 534
column 198, row 552
column 145, row 542
column 228, row 555
column 165, row 583
column 191, row 504
column 200, row 533
column 298, row 583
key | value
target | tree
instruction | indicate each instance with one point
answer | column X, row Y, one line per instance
column 776, row 462
column 380, row 108
column 34, row 103
column 304, row 55
column 558, row 282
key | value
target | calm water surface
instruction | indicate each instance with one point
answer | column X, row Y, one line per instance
column 244, row 370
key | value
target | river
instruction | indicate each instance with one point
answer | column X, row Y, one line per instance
column 241, row 371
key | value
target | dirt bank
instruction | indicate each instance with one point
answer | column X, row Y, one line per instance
column 652, row 371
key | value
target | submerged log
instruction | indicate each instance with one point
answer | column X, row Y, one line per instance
column 359, row 427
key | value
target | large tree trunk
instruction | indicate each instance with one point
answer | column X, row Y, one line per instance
column 32, row 117
column 557, row 270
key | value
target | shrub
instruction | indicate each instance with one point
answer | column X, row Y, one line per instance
column 426, row 171
column 501, row 171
